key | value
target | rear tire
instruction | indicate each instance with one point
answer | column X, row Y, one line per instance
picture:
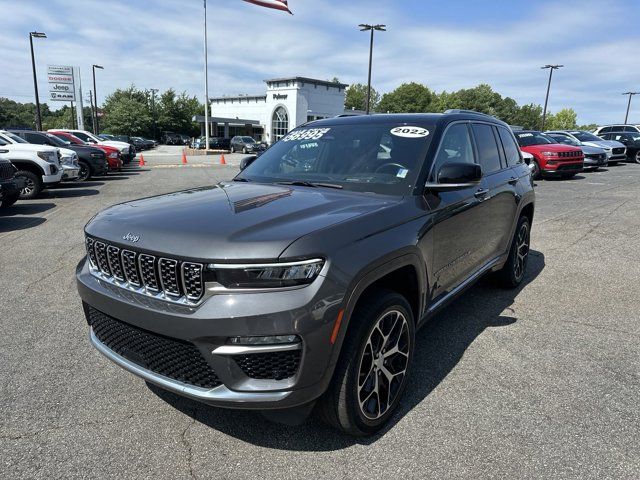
column 514, row 270
column 10, row 200
column 374, row 364
column 637, row 157
column 33, row 185
column 85, row 172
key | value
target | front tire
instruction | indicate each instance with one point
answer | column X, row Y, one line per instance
column 374, row 364
column 85, row 172
column 33, row 184
column 536, row 174
column 514, row 270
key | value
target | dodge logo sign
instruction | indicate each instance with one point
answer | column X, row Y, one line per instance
column 130, row 237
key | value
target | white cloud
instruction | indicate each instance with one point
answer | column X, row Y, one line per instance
column 159, row 44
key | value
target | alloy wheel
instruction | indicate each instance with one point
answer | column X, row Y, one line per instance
column 29, row 187
column 638, row 156
column 83, row 174
column 522, row 251
column 383, row 365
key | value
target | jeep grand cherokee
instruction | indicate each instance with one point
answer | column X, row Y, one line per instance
column 303, row 280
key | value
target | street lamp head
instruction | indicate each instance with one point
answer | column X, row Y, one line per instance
column 38, row 34
column 365, row 27
column 98, row 66
column 553, row 67
column 631, row 93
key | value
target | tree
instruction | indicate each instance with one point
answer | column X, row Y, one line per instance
column 407, row 98
column 356, row 97
column 127, row 112
column 565, row 119
column 481, row 99
column 175, row 112
column 528, row 116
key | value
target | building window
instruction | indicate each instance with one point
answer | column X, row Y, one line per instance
column 280, row 123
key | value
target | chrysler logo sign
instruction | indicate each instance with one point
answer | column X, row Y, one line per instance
column 130, row 237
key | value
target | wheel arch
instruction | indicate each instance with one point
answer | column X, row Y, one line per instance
column 28, row 165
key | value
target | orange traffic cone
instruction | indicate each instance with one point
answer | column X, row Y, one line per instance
column 141, row 162
column 184, row 158
column 222, row 160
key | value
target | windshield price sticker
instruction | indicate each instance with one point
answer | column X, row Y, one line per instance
column 307, row 134
column 410, row 132
column 525, row 135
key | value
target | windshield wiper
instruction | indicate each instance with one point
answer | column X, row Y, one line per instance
column 241, row 180
column 303, row 183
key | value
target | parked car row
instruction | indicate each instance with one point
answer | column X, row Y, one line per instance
column 171, row 138
column 31, row 160
column 565, row 153
column 139, row 143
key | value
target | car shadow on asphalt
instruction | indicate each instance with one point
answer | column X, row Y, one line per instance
column 68, row 193
column 22, row 208
column 88, row 183
column 439, row 347
column 9, row 224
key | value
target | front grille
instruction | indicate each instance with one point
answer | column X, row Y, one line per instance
column 575, row 166
column 596, row 156
column 570, row 154
column 6, row 170
column 177, row 281
column 269, row 366
column 176, row 359
column 618, row 151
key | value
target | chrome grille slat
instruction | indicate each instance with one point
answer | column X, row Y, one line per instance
column 168, row 269
column 113, row 257
column 147, row 264
column 101, row 258
column 130, row 267
column 162, row 278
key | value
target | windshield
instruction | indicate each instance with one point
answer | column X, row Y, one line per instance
column 248, row 140
column 15, row 137
column 564, row 139
column 526, row 139
column 69, row 138
column 57, row 141
column 586, row 137
column 380, row 158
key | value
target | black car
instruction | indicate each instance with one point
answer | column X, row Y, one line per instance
column 10, row 186
column 215, row 143
column 170, row 138
column 631, row 140
column 302, row 281
column 246, row 144
column 92, row 160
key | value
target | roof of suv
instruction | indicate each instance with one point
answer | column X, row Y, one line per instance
column 428, row 118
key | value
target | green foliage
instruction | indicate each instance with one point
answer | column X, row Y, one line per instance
column 407, row 98
column 14, row 114
column 127, row 112
column 175, row 112
column 565, row 119
column 356, row 97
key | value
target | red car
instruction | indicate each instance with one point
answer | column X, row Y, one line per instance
column 550, row 157
column 112, row 153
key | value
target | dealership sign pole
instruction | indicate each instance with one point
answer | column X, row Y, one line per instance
column 79, row 105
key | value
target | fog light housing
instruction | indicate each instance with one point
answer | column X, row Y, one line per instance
column 266, row 340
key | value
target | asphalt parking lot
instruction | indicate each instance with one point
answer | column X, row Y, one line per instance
column 539, row 383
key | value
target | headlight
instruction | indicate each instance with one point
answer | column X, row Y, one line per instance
column 113, row 155
column 50, row 157
column 96, row 155
column 272, row 275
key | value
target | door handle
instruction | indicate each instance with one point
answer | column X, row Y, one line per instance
column 513, row 180
column 482, row 194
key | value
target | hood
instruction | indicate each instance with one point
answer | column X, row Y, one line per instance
column 591, row 150
column 234, row 221
column 116, row 144
column 66, row 152
column 30, row 147
column 606, row 144
column 551, row 147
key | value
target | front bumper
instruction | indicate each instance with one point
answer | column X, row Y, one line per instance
column 591, row 162
column 52, row 179
column 70, row 173
column 563, row 168
column 307, row 312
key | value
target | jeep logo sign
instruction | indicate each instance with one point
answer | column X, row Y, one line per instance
column 130, row 237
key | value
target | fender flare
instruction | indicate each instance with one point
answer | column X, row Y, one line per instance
column 22, row 161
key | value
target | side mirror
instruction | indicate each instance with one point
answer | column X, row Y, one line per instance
column 246, row 161
column 456, row 176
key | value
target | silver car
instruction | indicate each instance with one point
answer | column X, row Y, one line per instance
column 616, row 151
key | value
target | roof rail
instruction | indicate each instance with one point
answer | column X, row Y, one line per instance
column 460, row 110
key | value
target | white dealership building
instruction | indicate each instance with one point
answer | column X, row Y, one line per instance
column 289, row 102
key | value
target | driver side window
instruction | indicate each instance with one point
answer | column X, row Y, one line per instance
column 455, row 146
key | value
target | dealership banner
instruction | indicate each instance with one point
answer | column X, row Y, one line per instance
column 61, row 83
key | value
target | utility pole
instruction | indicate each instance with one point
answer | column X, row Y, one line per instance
column 631, row 94
column 153, row 110
column 73, row 122
column 33, row 35
column 96, row 123
column 365, row 28
column 93, row 116
column 206, row 83
column 546, row 100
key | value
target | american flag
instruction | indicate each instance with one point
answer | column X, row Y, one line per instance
column 276, row 4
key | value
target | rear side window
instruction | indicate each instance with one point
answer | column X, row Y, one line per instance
column 489, row 156
column 34, row 138
column 455, row 146
column 511, row 149
column 630, row 129
column 605, row 130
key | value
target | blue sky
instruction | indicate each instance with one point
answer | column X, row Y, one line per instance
column 445, row 45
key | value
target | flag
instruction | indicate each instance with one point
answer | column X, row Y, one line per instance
column 276, row 4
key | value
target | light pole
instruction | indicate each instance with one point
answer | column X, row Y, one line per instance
column 546, row 100
column 631, row 94
column 365, row 28
column 95, row 97
column 33, row 35
column 206, row 83
column 153, row 110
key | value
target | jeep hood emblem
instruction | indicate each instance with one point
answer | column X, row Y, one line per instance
column 130, row 237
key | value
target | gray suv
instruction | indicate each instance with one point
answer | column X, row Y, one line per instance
column 302, row 281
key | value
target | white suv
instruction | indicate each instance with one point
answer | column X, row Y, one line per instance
column 38, row 165
column 127, row 153
column 617, row 128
